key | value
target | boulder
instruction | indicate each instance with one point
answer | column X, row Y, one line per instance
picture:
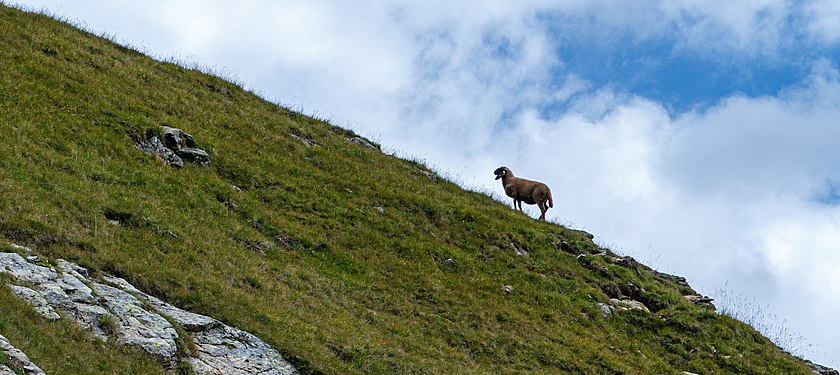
column 175, row 148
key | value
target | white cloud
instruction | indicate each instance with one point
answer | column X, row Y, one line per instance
column 823, row 20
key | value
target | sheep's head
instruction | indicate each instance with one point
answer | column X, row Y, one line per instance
column 502, row 172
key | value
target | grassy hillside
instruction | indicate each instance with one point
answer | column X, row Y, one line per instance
column 335, row 254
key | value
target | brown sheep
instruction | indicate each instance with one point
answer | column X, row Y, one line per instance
column 522, row 190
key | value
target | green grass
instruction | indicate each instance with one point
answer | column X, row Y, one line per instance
column 362, row 290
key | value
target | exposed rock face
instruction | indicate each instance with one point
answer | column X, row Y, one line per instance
column 17, row 360
column 112, row 308
column 176, row 147
column 822, row 370
column 627, row 304
column 363, row 142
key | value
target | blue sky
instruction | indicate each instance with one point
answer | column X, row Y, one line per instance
column 699, row 136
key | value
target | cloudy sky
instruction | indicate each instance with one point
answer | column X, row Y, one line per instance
column 700, row 136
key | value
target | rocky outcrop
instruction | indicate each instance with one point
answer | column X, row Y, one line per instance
column 821, row 370
column 113, row 309
column 174, row 146
column 363, row 142
column 16, row 361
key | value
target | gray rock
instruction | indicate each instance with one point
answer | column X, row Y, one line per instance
column 174, row 138
column 129, row 316
column 821, row 370
column 626, row 304
column 227, row 350
column 36, row 300
column 221, row 349
column 24, row 271
column 606, row 310
column 176, row 147
column 138, row 326
column 17, row 360
column 363, row 142
column 507, row 289
column 90, row 317
column 154, row 146
column 194, row 155
column 519, row 250
column 17, row 247
column 304, row 141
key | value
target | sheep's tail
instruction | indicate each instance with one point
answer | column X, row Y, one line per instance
column 550, row 201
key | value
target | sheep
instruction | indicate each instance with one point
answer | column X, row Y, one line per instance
column 522, row 190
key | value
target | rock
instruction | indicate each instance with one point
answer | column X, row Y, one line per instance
column 121, row 312
column 627, row 304
column 174, row 138
column 194, row 155
column 23, row 270
column 221, row 349
column 701, row 301
column 430, row 175
column 449, row 261
column 507, row 289
column 304, row 141
column 519, row 250
column 154, row 146
column 176, row 147
column 20, row 248
column 138, row 326
column 606, row 310
column 17, row 360
column 36, row 300
column 363, row 142
column 821, row 370
column 227, row 350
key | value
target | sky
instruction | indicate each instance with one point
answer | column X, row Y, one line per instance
column 701, row 137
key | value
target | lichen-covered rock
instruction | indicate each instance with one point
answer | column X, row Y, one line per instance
column 17, row 360
column 21, row 269
column 137, row 326
column 606, row 310
column 627, row 304
column 227, row 350
column 35, row 299
column 221, row 349
column 121, row 312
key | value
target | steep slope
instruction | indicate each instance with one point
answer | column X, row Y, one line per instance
column 343, row 258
